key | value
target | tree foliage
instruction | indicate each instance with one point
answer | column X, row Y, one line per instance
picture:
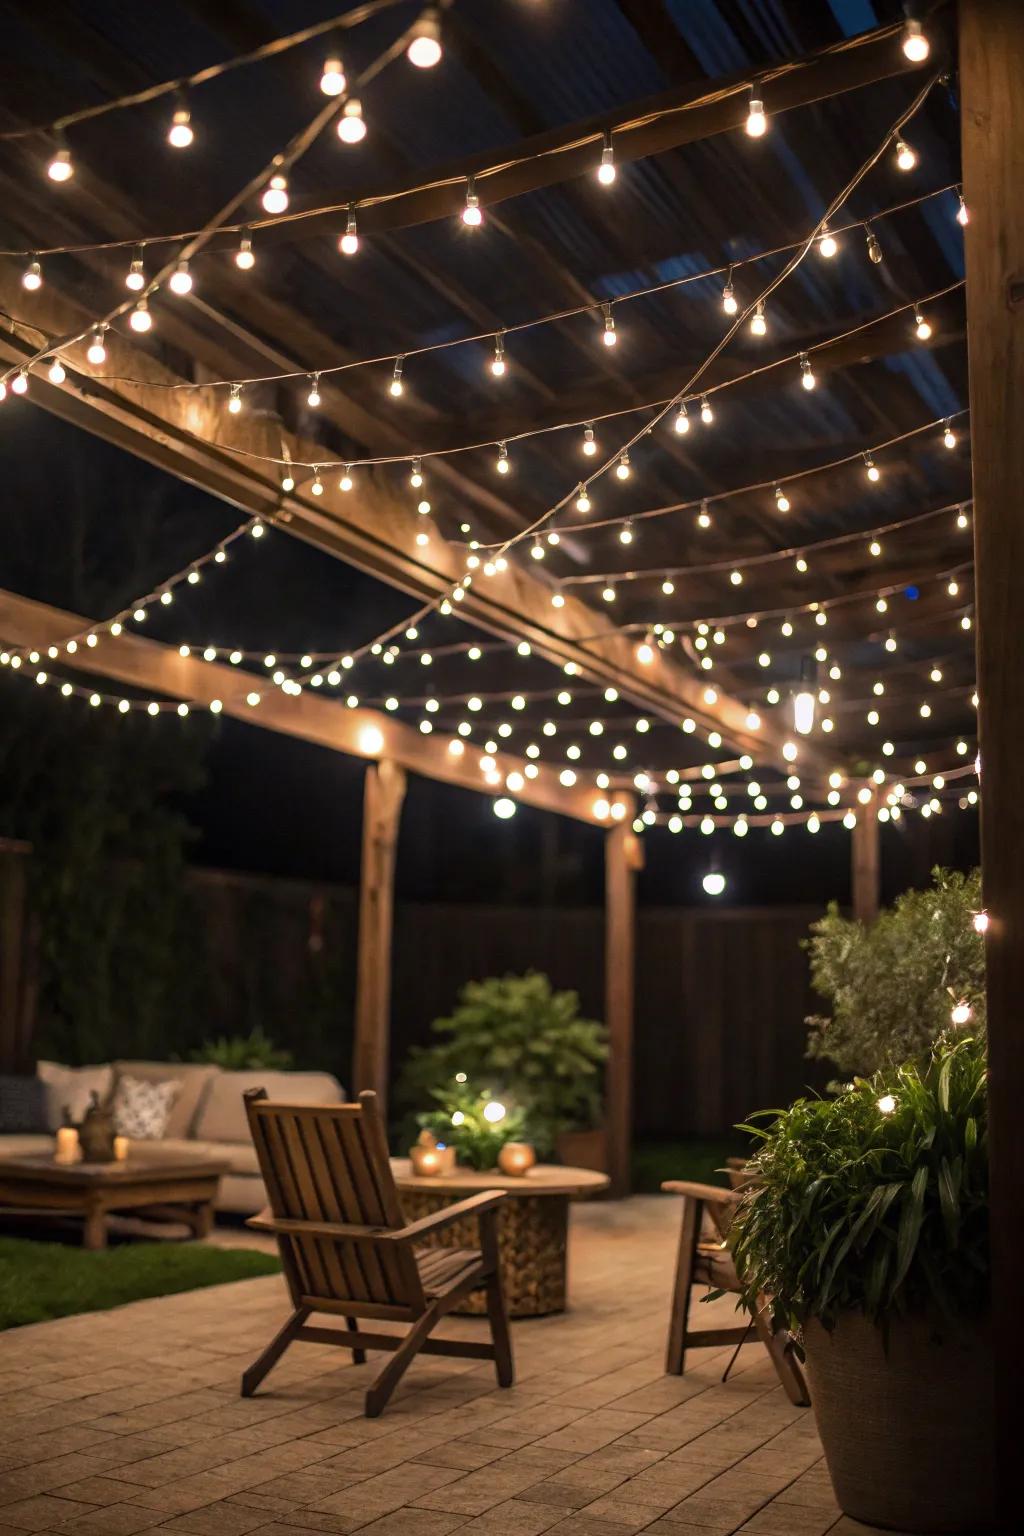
column 876, row 1200
column 516, row 1038
column 893, row 984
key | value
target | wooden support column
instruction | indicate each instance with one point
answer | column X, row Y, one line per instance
column 382, row 807
column 992, row 125
column 865, row 874
column 623, row 857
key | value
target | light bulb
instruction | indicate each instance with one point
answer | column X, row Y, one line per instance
column 424, row 48
column 135, row 278
column 181, row 279
column 949, row 437
column 871, row 469
column 682, row 422
column 19, row 384
column 915, row 45
column 61, row 167
column 874, row 249
column 922, row 327
column 180, row 134
column 782, row 501
column 56, row 373
column 502, row 464
column 626, row 533
column 906, row 158
column 416, row 475
column 804, row 704
column 729, row 302
column 349, row 242
column 537, row 550
column 32, row 277
column 961, row 1013
column 396, row 387
column 346, row 482
column 874, row 548
column 756, row 121
column 758, row 323
column 332, row 81
column 606, row 170
column 707, row 415
column 275, row 197
column 622, row 467
column 645, row 653
column 962, row 216
column 609, row 594
column 244, row 257
column 313, row 398
column 589, row 444
column 287, row 482
column 140, row 319
column 807, row 378
column 352, row 124
column 97, row 352
column 494, row 1111
column 235, row 399
column 472, row 213
column 582, row 500
column 703, row 516
column 498, row 360
column 980, row 922
column 609, row 337
column 828, row 245
column 714, row 881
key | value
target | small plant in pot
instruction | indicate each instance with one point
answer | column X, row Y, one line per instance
column 476, row 1124
column 867, row 1225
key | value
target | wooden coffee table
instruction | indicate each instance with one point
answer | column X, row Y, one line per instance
column 170, row 1188
column 533, row 1226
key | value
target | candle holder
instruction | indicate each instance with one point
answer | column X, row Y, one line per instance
column 516, row 1158
column 427, row 1158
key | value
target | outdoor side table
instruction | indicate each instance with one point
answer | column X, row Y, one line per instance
column 533, row 1226
column 179, row 1188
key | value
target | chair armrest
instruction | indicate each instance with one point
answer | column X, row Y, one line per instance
column 475, row 1205
column 712, row 1194
column 267, row 1222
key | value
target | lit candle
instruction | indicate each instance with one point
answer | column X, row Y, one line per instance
column 516, row 1158
column 426, row 1161
column 120, row 1149
column 67, row 1149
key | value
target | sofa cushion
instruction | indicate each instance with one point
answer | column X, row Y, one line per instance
column 69, row 1089
column 25, row 1145
column 194, row 1078
column 240, row 1156
column 222, row 1114
column 23, row 1105
column 141, row 1109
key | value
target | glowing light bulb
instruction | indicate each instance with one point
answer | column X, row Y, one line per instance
column 804, row 704
column 332, row 81
column 424, row 50
column 396, row 387
column 502, row 465
column 682, row 421
column 235, row 399
column 921, row 326
column 61, row 166
column 589, row 443
column 758, row 323
column 609, row 337
column 962, row 216
column 949, row 437
column 56, row 373
column 626, row 533
column 97, row 352
column 181, row 279
column 346, row 482
column 645, row 653
column 713, row 882
column 915, row 45
column 537, row 550
column 886, row 1104
column 135, row 278
column 498, row 360
column 622, row 467
column 756, row 121
column 275, row 197
column 180, row 134
column 140, row 318
column 32, row 277
column 19, row 384
column 980, row 922
column 609, row 594
column 782, row 501
column 906, row 157
column 606, row 170
column 582, row 500
column 707, row 415
column 245, row 258
column 828, row 245
column 807, row 378
column 874, row 548
column 313, row 398
column 729, row 301
column 871, row 469
column 349, row 242
column 703, row 516
column 416, row 475
column 317, row 487
column 961, row 1013
column 472, row 213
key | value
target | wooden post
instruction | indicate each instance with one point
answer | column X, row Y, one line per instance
column 866, row 871
column 383, row 794
column 992, row 125
column 623, row 857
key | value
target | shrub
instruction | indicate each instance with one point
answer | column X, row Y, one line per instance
column 462, row 1122
column 516, row 1038
column 893, row 985
column 241, row 1053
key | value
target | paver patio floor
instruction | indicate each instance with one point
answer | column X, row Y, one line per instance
column 130, row 1421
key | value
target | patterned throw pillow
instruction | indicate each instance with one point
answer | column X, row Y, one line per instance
column 141, row 1109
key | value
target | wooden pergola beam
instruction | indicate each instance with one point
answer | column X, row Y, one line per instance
column 383, row 794
column 623, row 860
column 153, row 668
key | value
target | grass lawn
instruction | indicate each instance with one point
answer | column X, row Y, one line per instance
column 699, row 1160
column 43, row 1280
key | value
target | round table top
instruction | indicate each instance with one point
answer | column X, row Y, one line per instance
column 542, row 1179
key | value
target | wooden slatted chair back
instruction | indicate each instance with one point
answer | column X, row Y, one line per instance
column 326, row 1165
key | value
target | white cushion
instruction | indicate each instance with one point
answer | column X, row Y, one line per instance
column 222, row 1114
column 193, row 1077
column 141, row 1109
column 69, row 1089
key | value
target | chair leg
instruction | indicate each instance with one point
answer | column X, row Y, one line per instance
column 358, row 1355
column 676, row 1356
column 779, row 1344
column 378, row 1395
column 497, row 1312
column 273, row 1352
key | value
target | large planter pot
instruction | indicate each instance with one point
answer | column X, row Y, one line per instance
column 906, row 1424
column 583, row 1149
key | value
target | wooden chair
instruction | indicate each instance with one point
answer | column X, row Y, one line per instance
column 704, row 1259
column 346, row 1248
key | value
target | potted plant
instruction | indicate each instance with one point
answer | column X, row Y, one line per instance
column 475, row 1123
column 867, row 1225
column 518, row 1039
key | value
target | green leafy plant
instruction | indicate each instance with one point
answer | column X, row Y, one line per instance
column 464, row 1121
column 893, row 985
column 523, row 1042
column 240, row 1053
column 876, row 1200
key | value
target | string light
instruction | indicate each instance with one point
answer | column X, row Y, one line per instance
column 906, row 157
column 472, row 214
column 582, row 500
column 807, row 378
column 61, row 167
column 606, row 170
column 396, row 387
column 729, row 301
column 140, row 318
column 348, row 245
column 275, row 197
column 135, row 278
column 346, row 482
column 704, row 516
column 235, row 399
column 424, row 48
column 949, row 436
column 245, row 260
column 19, row 384
column 352, row 124
column 626, row 533
column 962, row 216
column 915, row 45
column 589, row 441
column 180, row 279
column 609, row 337
column 871, row 469
column 782, row 501
column 922, row 327
column 56, row 373
column 622, row 467
column 758, row 323
column 707, row 415
column 180, row 134
column 828, row 245
column 97, row 352
column 682, row 421
column 332, row 81
column 498, row 360
column 32, row 277
column 756, row 121
column 874, row 249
